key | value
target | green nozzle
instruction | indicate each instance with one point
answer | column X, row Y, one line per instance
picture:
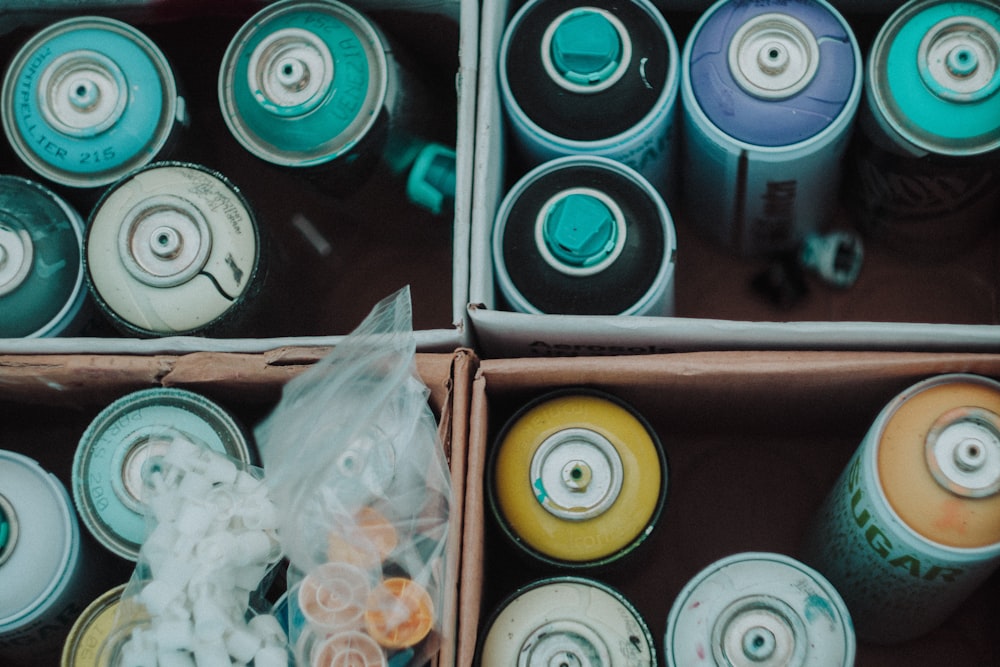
column 586, row 48
column 580, row 230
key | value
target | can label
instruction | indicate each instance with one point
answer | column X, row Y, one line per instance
column 566, row 620
column 769, row 92
column 87, row 100
column 42, row 291
column 599, row 79
column 585, row 236
column 108, row 462
column 905, row 535
column 577, row 479
column 759, row 609
column 927, row 158
column 173, row 249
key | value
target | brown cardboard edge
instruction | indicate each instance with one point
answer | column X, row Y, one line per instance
column 861, row 375
column 455, row 415
column 94, row 379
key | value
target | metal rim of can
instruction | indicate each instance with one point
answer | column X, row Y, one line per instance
column 208, row 416
column 887, row 110
column 664, row 273
column 764, row 52
column 86, row 623
column 156, row 238
column 230, row 84
column 871, row 478
column 619, row 609
column 610, row 255
column 577, row 522
column 8, row 529
column 832, row 132
column 106, row 278
column 609, row 144
column 138, row 155
column 966, row 461
column 63, row 562
column 613, row 76
column 766, row 610
column 70, row 308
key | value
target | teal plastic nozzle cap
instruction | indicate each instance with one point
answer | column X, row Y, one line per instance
column 586, row 48
column 4, row 530
column 579, row 230
column 431, row 181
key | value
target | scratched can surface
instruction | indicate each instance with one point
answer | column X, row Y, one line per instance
column 42, row 292
column 769, row 92
column 566, row 621
column 912, row 526
column 312, row 85
column 88, row 99
column 113, row 450
column 585, row 235
column 43, row 563
column 577, row 479
column 926, row 161
column 597, row 78
column 759, row 609
column 173, row 248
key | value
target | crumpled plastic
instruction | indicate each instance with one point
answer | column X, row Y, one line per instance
column 361, row 484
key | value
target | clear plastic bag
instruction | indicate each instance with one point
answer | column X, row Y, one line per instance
column 195, row 596
column 360, row 481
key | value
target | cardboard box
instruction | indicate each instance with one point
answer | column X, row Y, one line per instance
column 754, row 442
column 48, row 401
column 338, row 255
column 895, row 304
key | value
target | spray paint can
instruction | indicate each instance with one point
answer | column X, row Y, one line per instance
column 113, row 450
column 42, row 292
column 173, row 248
column 89, row 99
column 43, row 563
column 566, row 620
column 577, row 479
column 585, row 235
column 596, row 78
column 926, row 176
column 769, row 91
column 316, row 86
column 759, row 609
column 910, row 527
column 91, row 630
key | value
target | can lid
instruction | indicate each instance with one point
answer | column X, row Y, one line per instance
column 16, row 256
column 577, row 474
column 400, row 613
column 164, row 240
column 774, row 56
column 759, row 630
column 959, row 59
column 963, row 452
column 580, row 231
column 348, row 648
column 290, row 72
column 85, row 93
column 586, row 48
column 333, row 596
